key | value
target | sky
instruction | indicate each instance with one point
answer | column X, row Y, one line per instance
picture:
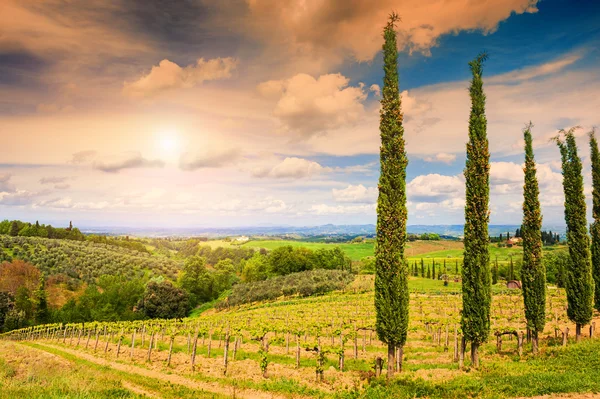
column 206, row 113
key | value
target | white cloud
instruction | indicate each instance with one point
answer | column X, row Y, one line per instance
column 441, row 157
column 168, row 75
column 291, row 168
column 435, row 188
column 356, row 194
column 324, row 209
column 537, row 70
column 308, row 106
column 374, row 88
column 5, row 184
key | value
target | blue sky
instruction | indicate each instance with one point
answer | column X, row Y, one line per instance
column 236, row 112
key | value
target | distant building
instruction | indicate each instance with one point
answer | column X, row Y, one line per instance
column 242, row 239
column 513, row 285
column 513, row 241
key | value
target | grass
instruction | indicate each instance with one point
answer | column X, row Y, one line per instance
column 558, row 370
column 72, row 377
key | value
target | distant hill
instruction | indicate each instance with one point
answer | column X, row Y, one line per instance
column 367, row 230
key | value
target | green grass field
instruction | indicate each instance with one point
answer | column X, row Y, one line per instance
column 415, row 250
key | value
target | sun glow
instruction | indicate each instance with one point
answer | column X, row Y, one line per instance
column 169, row 143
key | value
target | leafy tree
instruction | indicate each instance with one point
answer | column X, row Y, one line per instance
column 476, row 278
column 42, row 314
column 595, row 227
column 224, row 276
column 23, row 302
column 533, row 272
column 579, row 281
column 196, row 280
column 255, row 268
column 164, row 301
column 6, row 306
column 14, row 229
column 287, row 259
column 391, row 277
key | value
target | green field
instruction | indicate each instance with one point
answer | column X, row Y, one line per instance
column 415, row 250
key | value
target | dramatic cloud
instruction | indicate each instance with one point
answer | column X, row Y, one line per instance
column 212, row 159
column 308, row 106
column 291, row 168
column 130, row 162
column 168, row 75
column 441, row 157
column 356, row 194
column 332, row 28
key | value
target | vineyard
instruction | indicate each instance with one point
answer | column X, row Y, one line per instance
column 318, row 346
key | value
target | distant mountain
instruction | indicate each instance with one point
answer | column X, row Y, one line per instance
column 298, row 232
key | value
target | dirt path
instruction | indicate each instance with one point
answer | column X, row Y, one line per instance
column 213, row 387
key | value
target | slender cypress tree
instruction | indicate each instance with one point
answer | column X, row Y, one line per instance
column 533, row 272
column 579, row 283
column 391, row 275
column 476, row 277
column 595, row 227
column 433, row 270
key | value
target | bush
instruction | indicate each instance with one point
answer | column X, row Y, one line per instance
column 303, row 284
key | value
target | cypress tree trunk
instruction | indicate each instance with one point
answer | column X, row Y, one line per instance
column 579, row 282
column 476, row 284
column 533, row 273
column 595, row 227
column 391, row 276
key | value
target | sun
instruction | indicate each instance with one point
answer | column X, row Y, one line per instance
column 169, row 142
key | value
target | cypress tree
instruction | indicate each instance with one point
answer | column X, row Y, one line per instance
column 391, row 275
column 476, row 278
column 578, row 274
column 595, row 227
column 428, row 272
column 422, row 268
column 533, row 272
column 433, row 270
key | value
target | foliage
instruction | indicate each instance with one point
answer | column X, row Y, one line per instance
column 533, row 274
column 84, row 260
column 18, row 228
column 476, row 278
column 164, row 301
column 579, row 282
column 303, row 284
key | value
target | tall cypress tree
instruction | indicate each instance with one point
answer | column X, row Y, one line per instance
column 579, row 283
column 391, row 277
column 533, row 272
column 476, row 278
column 595, row 227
